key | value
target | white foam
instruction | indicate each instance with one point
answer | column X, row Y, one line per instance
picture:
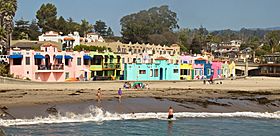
column 98, row 115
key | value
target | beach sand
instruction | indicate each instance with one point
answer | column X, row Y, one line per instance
column 260, row 94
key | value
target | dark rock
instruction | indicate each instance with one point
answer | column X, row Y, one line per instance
column 52, row 110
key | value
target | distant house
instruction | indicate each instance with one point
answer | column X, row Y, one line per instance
column 68, row 41
column 93, row 37
column 270, row 65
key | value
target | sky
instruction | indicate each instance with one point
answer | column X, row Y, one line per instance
column 211, row 14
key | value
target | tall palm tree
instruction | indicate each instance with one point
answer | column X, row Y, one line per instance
column 7, row 12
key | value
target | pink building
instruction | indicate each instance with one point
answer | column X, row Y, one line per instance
column 217, row 69
column 49, row 64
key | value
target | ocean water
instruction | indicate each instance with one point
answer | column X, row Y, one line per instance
column 101, row 123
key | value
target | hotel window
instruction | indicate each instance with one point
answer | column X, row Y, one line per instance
column 38, row 61
column 86, row 62
column 66, row 75
column 151, row 72
column 17, row 61
column 209, row 71
column 142, row 71
column 67, row 62
column 156, row 73
column 79, row 61
column 27, row 60
column 175, row 71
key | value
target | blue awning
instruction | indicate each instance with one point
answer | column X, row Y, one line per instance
column 15, row 56
column 87, row 57
column 68, row 57
column 58, row 56
column 38, row 56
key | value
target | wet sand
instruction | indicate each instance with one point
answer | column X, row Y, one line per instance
column 26, row 100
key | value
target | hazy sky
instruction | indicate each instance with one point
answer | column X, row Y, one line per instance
column 212, row 14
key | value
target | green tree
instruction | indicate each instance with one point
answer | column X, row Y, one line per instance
column 34, row 30
column 61, row 25
column 110, row 32
column 272, row 39
column 7, row 12
column 46, row 16
column 101, row 28
column 72, row 26
column 21, row 29
column 86, row 27
column 138, row 26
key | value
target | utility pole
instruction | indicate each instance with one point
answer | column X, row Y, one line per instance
column 246, row 66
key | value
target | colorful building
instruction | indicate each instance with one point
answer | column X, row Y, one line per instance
column 217, row 69
column 49, row 64
column 186, row 68
column 159, row 70
column 105, row 65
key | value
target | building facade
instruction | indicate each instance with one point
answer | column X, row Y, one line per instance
column 159, row 70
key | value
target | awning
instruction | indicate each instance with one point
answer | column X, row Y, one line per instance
column 87, row 57
column 68, row 57
column 58, row 56
column 38, row 56
column 15, row 56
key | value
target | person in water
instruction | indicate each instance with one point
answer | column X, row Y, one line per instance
column 98, row 94
column 170, row 113
column 120, row 94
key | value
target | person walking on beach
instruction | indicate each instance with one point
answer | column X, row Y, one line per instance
column 98, row 94
column 120, row 94
column 170, row 113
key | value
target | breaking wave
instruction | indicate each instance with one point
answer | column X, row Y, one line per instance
column 98, row 115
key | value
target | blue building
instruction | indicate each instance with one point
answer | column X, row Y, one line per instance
column 207, row 70
column 159, row 70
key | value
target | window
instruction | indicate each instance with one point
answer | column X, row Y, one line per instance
column 66, row 75
column 86, row 62
column 175, row 71
column 67, row 62
column 142, row 71
column 27, row 60
column 38, row 61
column 185, row 72
column 46, row 49
column 209, row 71
column 79, row 61
column 59, row 61
column 156, row 73
column 151, row 72
column 17, row 61
column 123, row 60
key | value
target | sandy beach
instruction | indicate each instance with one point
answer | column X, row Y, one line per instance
column 260, row 94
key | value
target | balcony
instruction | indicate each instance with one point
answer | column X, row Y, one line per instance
column 51, row 68
column 111, row 65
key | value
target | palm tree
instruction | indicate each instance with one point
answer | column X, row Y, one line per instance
column 7, row 12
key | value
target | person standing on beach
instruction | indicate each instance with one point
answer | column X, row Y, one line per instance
column 120, row 94
column 170, row 113
column 98, row 94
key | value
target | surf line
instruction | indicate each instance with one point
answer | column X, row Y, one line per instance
column 98, row 115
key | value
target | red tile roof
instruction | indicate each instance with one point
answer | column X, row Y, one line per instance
column 161, row 58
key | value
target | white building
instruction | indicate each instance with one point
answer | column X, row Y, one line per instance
column 68, row 41
column 93, row 37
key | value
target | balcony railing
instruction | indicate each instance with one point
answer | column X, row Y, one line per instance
column 111, row 65
column 51, row 67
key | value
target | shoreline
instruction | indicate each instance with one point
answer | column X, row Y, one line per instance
column 252, row 94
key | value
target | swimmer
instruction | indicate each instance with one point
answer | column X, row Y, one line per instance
column 170, row 113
